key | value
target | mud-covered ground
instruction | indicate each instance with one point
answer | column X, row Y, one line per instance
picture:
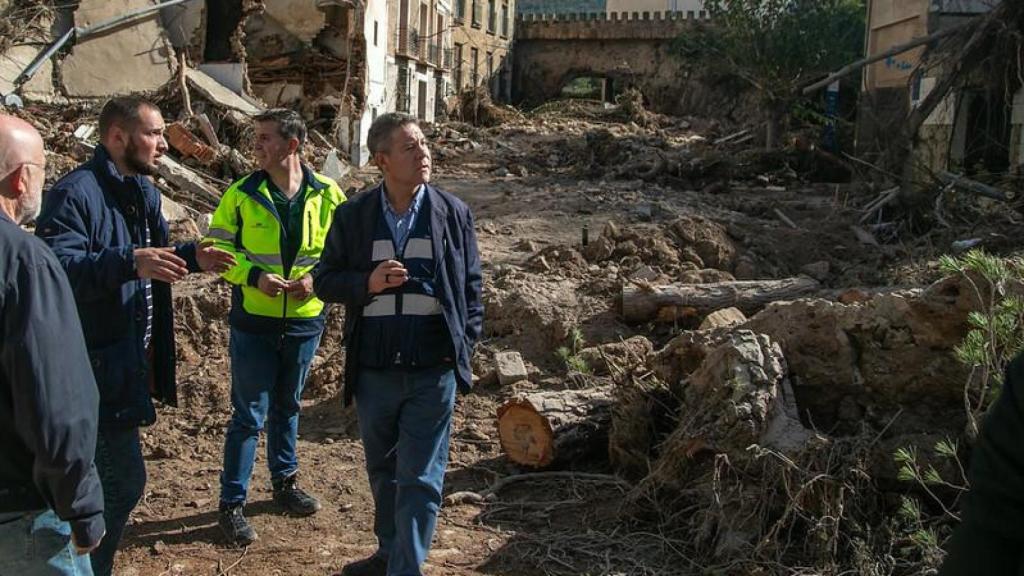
column 534, row 193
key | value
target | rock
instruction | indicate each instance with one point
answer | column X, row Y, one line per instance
column 500, row 172
column 817, row 270
column 645, row 273
column 599, row 249
column 723, row 318
column 708, row 239
column 645, row 212
column 629, row 352
column 890, row 354
column 510, row 367
column 526, row 245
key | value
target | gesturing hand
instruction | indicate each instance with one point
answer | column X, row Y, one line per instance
column 388, row 274
column 212, row 259
column 159, row 264
column 271, row 284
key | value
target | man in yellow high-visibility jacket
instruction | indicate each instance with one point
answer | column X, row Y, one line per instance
column 274, row 221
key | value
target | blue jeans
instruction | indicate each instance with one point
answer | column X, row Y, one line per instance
column 39, row 544
column 268, row 373
column 405, row 421
column 123, row 477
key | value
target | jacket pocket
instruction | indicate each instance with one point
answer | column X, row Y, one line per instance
column 116, row 373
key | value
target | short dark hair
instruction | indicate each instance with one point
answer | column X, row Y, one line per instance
column 289, row 123
column 379, row 139
column 123, row 110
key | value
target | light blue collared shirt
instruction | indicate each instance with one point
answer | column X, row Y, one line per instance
column 401, row 224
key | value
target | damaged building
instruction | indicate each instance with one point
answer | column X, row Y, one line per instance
column 976, row 129
column 341, row 63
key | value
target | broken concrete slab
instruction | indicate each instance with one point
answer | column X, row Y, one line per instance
column 15, row 60
column 301, row 19
column 174, row 212
column 184, row 24
column 187, row 182
column 230, row 75
column 136, row 57
column 220, row 94
column 334, row 168
column 510, row 367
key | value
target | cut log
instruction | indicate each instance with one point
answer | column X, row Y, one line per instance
column 540, row 428
column 642, row 303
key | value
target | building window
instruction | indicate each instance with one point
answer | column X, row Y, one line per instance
column 402, row 90
column 460, row 10
column 477, row 13
column 474, row 73
column 374, row 32
column 458, row 67
column 504, row 20
column 492, row 17
column 490, row 72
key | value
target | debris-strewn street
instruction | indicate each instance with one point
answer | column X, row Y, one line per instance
column 715, row 341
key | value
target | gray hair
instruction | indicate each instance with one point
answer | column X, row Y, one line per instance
column 383, row 127
column 289, row 123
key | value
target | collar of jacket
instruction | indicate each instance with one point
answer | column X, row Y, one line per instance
column 121, row 184
column 438, row 216
column 251, row 186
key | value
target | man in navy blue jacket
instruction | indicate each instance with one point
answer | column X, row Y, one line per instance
column 51, row 504
column 104, row 224
column 403, row 259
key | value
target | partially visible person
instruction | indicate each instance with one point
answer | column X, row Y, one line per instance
column 274, row 222
column 51, row 503
column 103, row 222
column 990, row 539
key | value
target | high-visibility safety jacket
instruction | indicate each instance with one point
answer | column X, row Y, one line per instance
column 247, row 224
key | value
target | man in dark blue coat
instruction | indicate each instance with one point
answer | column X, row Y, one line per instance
column 104, row 224
column 403, row 259
column 51, row 504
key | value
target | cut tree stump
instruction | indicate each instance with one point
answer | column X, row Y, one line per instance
column 538, row 429
column 643, row 303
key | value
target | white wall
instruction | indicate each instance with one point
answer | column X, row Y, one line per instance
column 376, row 76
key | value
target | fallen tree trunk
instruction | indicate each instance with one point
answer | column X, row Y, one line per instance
column 540, row 428
column 642, row 303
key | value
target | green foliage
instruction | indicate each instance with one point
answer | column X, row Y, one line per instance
column 778, row 45
column 569, row 355
column 996, row 333
column 918, row 526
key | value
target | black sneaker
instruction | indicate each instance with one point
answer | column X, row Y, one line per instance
column 289, row 496
column 373, row 566
column 235, row 527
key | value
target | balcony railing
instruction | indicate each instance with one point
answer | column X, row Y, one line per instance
column 449, row 58
column 434, row 54
column 410, row 42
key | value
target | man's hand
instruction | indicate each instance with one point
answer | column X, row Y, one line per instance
column 159, row 264
column 271, row 284
column 302, row 288
column 83, row 550
column 388, row 274
column 212, row 259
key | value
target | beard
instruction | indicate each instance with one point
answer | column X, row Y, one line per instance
column 134, row 159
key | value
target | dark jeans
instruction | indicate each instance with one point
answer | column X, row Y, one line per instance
column 405, row 423
column 123, row 476
column 268, row 373
column 975, row 551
